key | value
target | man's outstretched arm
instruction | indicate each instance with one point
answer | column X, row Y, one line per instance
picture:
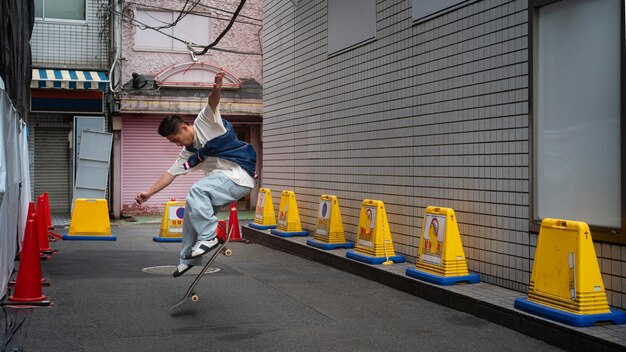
column 161, row 183
column 214, row 97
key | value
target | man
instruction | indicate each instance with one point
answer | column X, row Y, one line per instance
column 210, row 145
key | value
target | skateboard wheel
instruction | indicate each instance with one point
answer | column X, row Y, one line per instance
column 194, row 298
column 228, row 252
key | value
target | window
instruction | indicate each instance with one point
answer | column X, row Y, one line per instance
column 60, row 10
column 350, row 23
column 577, row 112
column 423, row 9
column 192, row 28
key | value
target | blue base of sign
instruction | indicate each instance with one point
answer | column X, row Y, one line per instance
column 167, row 239
column 373, row 260
column 90, row 238
column 261, row 227
column 289, row 233
column 443, row 280
column 580, row 320
column 328, row 246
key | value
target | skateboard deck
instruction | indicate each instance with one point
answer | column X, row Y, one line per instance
column 221, row 249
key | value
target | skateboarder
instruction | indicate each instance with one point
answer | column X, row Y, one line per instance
column 211, row 145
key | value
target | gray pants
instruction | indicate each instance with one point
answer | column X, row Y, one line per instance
column 206, row 197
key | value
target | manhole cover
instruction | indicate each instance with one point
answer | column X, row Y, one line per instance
column 169, row 269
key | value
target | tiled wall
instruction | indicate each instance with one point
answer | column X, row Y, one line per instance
column 435, row 113
column 58, row 44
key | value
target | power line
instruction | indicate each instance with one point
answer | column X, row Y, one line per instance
column 203, row 14
column 190, row 45
column 230, row 24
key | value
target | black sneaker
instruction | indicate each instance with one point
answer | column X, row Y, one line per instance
column 181, row 269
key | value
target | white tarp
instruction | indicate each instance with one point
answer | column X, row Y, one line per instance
column 25, row 195
column 14, row 185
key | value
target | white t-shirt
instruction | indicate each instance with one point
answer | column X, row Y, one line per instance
column 209, row 125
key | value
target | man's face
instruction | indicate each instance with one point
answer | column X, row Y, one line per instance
column 183, row 138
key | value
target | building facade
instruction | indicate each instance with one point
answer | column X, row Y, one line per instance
column 70, row 59
column 509, row 112
column 159, row 75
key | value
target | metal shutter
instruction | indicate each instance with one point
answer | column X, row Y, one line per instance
column 52, row 167
column 145, row 157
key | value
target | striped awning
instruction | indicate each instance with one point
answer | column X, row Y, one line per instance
column 69, row 79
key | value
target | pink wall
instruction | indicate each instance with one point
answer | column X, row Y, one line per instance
column 241, row 37
column 145, row 157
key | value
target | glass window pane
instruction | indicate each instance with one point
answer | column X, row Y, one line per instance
column 65, row 9
column 577, row 125
column 150, row 39
column 39, row 8
column 191, row 28
column 350, row 22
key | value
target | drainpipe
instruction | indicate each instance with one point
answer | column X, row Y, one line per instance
column 115, row 78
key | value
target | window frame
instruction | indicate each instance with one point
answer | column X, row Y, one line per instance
column 599, row 233
column 172, row 50
column 430, row 16
column 60, row 20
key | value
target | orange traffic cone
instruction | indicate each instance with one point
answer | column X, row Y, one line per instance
column 233, row 223
column 220, row 231
column 46, row 204
column 42, row 227
column 28, row 283
column 30, row 215
column 48, row 220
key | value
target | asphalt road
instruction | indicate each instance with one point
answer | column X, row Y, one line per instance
column 116, row 296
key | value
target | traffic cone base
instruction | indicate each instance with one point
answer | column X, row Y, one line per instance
column 328, row 246
column 45, row 302
column 580, row 320
column 471, row 278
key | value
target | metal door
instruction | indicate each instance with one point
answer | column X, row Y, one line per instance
column 92, row 171
column 81, row 123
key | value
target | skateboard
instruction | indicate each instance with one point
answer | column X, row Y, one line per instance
column 221, row 249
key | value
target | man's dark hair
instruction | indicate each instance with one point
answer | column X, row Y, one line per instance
column 171, row 125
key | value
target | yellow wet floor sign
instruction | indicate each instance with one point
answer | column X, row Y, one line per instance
column 288, row 223
column 441, row 258
column 566, row 284
column 172, row 223
column 329, row 232
column 90, row 221
column 374, row 244
column 264, row 217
